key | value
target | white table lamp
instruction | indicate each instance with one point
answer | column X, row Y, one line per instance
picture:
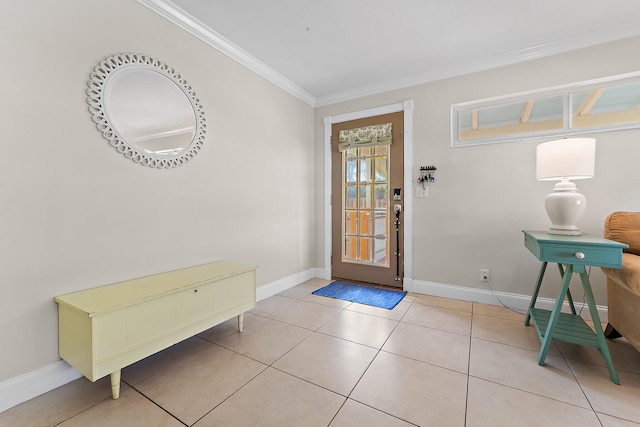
column 564, row 160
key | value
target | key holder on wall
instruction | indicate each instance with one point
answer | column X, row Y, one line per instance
column 427, row 174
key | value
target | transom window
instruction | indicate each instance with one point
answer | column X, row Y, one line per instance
column 587, row 107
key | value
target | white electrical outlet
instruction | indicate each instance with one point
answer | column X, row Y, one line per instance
column 422, row 191
column 484, row 275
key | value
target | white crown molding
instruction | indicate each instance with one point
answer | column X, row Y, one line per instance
column 182, row 19
column 527, row 54
column 178, row 16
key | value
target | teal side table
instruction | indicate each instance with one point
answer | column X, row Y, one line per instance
column 575, row 253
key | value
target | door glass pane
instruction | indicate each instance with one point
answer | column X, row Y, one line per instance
column 351, row 223
column 366, row 223
column 366, row 205
column 380, row 251
column 365, row 249
column 350, row 197
column 382, row 150
column 382, row 195
column 365, row 170
column 365, row 196
column 380, row 228
column 382, row 174
column 351, row 171
column 350, row 248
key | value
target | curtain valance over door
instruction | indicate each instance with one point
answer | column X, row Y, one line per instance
column 367, row 136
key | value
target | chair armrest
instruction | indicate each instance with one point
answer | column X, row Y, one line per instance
column 628, row 275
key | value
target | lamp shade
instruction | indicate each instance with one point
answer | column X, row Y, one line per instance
column 566, row 159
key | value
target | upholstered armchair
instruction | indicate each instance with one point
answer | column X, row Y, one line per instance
column 623, row 285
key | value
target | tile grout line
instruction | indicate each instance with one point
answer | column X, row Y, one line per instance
column 82, row 411
column 527, row 391
column 348, row 396
column 158, row 405
column 191, row 354
column 575, row 377
column 379, row 350
column 564, row 354
column 232, row 394
column 466, row 403
column 316, row 331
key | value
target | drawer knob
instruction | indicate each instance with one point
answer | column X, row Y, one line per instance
column 579, row 255
column 195, row 291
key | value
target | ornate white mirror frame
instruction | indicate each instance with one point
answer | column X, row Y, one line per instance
column 121, row 114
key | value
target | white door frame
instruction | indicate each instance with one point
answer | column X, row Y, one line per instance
column 407, row 251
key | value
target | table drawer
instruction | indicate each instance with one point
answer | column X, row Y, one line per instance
column 581, row 255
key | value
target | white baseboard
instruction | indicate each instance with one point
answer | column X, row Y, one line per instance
column 323, row 273
column 34, row 383
column 407, row 284
column 516, row 302
column 281, row 285
column 47, row 378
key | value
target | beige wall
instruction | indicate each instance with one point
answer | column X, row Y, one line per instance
column 485, row 195
column 75, row 214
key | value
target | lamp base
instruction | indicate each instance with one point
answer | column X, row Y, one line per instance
column 562, row 232
column 564, row 207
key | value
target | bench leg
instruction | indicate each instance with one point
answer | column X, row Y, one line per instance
column 115, row 384
column 240, row 321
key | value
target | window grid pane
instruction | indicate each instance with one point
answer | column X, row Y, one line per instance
column 366, row 195
column 380, row 251
column 591, row 106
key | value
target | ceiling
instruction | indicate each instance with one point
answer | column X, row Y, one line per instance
column 334, row 50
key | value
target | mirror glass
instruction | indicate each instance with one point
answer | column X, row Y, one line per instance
column 146, row 110
column 149, row 111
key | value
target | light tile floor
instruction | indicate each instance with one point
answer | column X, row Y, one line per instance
column 304, row 360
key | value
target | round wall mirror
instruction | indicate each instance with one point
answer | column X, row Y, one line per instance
column 146, row 110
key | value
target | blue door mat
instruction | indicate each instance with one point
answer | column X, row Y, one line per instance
column 362, row 294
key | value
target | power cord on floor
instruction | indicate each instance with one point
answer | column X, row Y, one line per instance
column 493, row 294
column 584, row 295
